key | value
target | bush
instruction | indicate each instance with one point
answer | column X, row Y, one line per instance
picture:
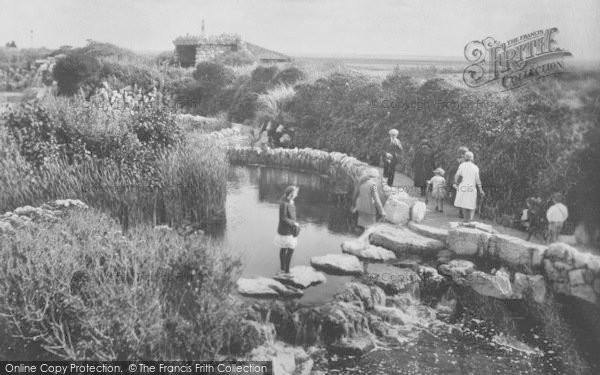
column 78, row 290
column 524, row 143
column 73, row 70
column 211, row 75
column 289, row 76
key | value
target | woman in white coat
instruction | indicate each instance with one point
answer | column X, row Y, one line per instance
column 467, row 177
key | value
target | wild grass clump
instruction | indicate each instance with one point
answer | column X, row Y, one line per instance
column 194, row 179
column 78, row 290
column 111, row 158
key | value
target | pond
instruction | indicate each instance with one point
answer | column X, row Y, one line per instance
column 465, row 347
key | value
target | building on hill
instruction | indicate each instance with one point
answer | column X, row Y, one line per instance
column 191, row 50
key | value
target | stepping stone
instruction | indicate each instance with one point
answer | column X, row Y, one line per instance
column 402, row 240
column 439, row 234
column 365, row 250
column 341, row 264
column 301, row 277
column 266, row 287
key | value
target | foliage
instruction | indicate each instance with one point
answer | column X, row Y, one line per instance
column 523, row 141
column 78, row 290
column 211, row 75
column 109, row 157
column 289, row 76
column 73, row 70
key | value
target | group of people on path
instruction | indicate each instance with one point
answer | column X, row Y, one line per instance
column 464, row 185
column 463, row 188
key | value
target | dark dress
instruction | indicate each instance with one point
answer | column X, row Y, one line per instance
column 389, row 165
column 287, row 219
column 423, row 165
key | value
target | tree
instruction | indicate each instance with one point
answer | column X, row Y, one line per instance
column 11, row 44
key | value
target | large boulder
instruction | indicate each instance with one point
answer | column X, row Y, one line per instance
column 364, row 250
column 439, row 234
column 516, row 251
column 266, row 287
column 533, row 285
column 396, row 212
column 497, row 285
column 394, row 280
column 301, row 277
column 468, row 241
column 338, row 264
column 458, row 269
column 402, row 240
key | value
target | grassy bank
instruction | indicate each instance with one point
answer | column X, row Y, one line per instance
column 76, row 289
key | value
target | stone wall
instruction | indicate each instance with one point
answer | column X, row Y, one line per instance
column 205, row 52
column 342, row 169
column 566, row 269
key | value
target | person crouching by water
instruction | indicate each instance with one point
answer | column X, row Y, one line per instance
column 366, row 199
column 288, row 228
column 467, row 178
column 392, row 152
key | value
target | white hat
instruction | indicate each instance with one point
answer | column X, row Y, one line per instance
column 393, row 132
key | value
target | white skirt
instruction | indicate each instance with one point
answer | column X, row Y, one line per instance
column 288, row 241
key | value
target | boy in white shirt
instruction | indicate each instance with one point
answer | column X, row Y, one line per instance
column 557, row 214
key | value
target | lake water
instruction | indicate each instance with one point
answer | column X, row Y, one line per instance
column 464, row 347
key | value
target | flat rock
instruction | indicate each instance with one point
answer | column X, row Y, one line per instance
column 439, row 234
column 364, row 250
column 301, row 277
column 457, row 269
column 351, row 346
column 402, row 240
column 468, row 241
column 338, row 264
column 266, row 287
column 516, row 251
column 473, row 225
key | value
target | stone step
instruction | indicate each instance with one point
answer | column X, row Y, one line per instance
column 338, row 264
column 301, row 277
column 266, row 287
column 402, row 241
column 439, row 234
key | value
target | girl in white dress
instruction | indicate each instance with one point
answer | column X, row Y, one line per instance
column 469, row 183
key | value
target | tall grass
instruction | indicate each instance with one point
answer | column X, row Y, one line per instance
column 129, row 163
column 194, row 177
column 76, row 290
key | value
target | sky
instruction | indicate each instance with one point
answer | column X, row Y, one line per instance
column 304, row 27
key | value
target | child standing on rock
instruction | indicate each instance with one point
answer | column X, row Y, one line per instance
column 437, row 186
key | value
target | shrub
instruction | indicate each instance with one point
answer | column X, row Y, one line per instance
column 211, row 75
column 73, row 70
column 289, row 76
column 78, row 290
